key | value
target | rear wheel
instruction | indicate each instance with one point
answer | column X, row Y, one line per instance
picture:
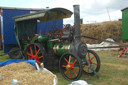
column 35, row 52
column 15, row 53
column 94, row 60
column 70, row 67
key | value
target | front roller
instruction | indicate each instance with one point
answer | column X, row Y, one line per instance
column 70, row 66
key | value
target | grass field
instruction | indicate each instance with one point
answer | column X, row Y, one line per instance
column 113, row 71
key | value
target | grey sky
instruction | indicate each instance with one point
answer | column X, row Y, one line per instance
column 90, row 10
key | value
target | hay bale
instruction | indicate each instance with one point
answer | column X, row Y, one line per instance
column 102, row 31
column 25, row 73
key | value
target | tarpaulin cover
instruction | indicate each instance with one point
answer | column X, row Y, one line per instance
column 4, row 63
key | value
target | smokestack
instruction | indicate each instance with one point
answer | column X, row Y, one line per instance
column 77, row 22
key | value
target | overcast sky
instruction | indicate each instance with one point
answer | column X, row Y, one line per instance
column 90, row 10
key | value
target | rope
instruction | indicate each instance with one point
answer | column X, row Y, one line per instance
column 121, row 45
column 108, row 47
column 104, row 40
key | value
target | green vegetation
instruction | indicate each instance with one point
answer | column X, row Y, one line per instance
column 113, row 71
column 4, row 57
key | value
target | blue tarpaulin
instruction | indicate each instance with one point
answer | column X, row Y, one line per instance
column 4, row 63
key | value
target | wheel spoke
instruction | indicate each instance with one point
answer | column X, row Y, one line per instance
column 38, row 62
column 92, row 58
column 70, row 74
column 66, row 72
column 76, row 67
column 40, row 57
column 63, row 66
column 75, row 72
column 37, row 51
column 66, row 60
column 31, row 50
column 69, row 59
column 29, row 54
column 95, row 64
column 75, row 61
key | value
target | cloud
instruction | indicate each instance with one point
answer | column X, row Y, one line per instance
column 118, row 4
column 96, row 10
column 90, row 10
column 100, row 6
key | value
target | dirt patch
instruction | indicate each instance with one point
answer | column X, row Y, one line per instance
column 25, row 73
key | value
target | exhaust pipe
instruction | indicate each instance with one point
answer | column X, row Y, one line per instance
column 78, row 47
column 77, row 22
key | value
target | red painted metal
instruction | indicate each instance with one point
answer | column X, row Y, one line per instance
column 35, row 56
column 70, row 66
column 91, row 62
column 125, row 50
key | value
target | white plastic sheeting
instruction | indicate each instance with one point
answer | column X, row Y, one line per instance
column 79, row 82
column 102, row 44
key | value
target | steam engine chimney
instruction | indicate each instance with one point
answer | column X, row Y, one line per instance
column 78, row 47
column 77, row 22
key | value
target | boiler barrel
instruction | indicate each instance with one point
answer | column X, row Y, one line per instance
column 60, row 49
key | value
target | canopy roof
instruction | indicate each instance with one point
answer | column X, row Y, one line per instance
column 46, row 15
column 17, row 8
column 124, row 9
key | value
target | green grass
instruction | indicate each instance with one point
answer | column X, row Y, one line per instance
column 113, row 71
column 4, row 57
